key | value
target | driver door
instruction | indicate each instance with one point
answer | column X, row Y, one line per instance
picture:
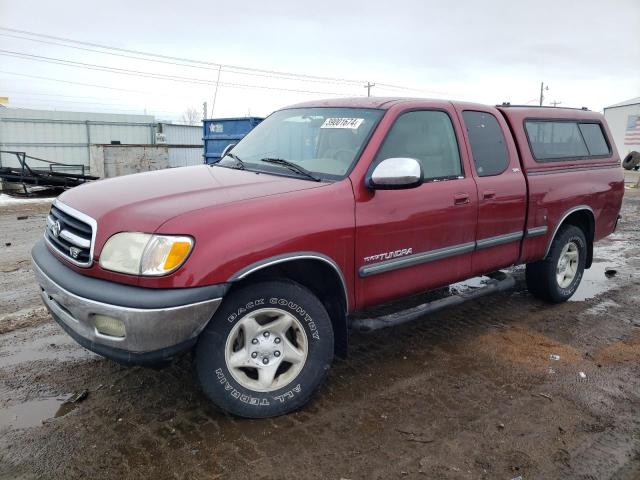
column 412, row 240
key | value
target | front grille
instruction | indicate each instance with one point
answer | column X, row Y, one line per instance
column 71, row 233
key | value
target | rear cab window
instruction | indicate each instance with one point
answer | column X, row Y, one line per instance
column 487, row 142
column 558, row 140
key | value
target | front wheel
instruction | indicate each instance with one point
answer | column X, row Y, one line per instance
column 557, row 277
column 266, row 350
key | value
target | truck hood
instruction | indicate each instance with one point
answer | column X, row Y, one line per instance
column 144, row 201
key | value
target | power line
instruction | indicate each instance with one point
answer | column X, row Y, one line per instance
column 158, row 76
column 166, row 62
column 181, row 59
column 36, row 77
column 80, row 101
column 17, row 92
column 399, row 87
column 206, row 65
column 70, row 82
column 32, row 104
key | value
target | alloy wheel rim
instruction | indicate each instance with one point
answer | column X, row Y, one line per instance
column 266, row 349
column 567, row 267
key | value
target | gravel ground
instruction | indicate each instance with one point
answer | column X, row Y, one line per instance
column 498, row 388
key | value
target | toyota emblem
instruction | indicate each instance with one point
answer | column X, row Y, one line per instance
column 55, row 228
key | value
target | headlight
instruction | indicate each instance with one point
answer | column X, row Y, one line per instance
column 144, row 253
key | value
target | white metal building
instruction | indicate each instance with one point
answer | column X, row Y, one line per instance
column 624, row 122
column 66, row 137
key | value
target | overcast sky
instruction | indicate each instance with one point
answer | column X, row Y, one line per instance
column 588, row 52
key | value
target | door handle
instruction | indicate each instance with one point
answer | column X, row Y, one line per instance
column 489, row 194
column 461, row 198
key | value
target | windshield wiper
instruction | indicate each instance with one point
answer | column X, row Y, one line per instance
column 239, row 163
column 291, row 166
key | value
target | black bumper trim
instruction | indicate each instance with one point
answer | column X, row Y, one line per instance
column 124, row 357
column 119, row 294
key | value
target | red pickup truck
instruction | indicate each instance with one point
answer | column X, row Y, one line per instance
column 264, row 260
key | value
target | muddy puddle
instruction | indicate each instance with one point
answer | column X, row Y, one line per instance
column 609, row 265
column 56, row 347
column 41, row 344
column 596, row 280
column 33, row 412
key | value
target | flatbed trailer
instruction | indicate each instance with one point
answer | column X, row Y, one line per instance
column 55, row 175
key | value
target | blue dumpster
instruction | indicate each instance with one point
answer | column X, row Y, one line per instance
column 218, row 133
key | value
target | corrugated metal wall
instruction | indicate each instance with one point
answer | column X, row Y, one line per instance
column 181, row 134
column 185, row 156
column 66, row 136
column 185, row 144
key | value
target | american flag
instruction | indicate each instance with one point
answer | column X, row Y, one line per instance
column 632, row 135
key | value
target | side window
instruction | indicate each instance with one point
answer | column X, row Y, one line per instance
column 555, row 140
column 560, row 140
column 594, row 138
column 427, row 136
column 487, row 143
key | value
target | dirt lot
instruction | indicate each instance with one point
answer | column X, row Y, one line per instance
column 472, row 392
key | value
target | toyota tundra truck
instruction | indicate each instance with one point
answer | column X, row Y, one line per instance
column 264, row 261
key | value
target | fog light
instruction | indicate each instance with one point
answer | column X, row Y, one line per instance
column 109, row 326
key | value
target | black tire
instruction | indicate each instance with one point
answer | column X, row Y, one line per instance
column 631, row 161
column 217, row 380
column 541, row 276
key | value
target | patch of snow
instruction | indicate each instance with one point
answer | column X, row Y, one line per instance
column 470, row 284
column 9, row 200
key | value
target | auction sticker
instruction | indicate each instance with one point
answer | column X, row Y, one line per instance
column 352, row 123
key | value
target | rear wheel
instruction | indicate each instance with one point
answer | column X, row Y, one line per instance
column 557, row 277
column 266, row 350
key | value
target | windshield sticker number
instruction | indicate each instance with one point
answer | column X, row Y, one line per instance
column 352, row 123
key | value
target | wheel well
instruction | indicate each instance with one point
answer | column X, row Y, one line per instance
column 584, row 220
column 325, row 283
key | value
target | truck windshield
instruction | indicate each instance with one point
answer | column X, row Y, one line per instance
column 325, row 142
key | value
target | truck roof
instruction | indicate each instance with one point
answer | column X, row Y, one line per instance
column 355, row 102
column 385, row 103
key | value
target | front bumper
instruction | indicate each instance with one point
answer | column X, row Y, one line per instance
column 159, row 323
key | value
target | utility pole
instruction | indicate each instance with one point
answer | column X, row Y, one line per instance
column 555, row 103
column 215, row 93
column 368, row 87
column 204, row 110
column 542, row 89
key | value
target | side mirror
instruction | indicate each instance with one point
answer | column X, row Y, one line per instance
column 227, row 149
column 395, row 173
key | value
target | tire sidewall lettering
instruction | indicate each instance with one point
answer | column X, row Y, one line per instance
column 293, row 307
column 255, row 400
column 244, row 309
